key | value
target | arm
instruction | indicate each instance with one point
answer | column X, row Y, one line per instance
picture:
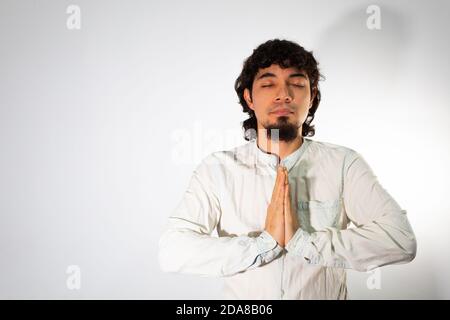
column 382, row 234
column 186, row 246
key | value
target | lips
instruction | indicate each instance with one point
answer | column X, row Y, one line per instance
column 282, row 112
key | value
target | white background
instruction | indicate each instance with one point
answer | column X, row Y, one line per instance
column 90, row 122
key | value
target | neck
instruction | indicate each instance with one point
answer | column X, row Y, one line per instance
column 281, row 148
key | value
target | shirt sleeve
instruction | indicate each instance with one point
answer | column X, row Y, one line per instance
column 382, row 234
column 188, row 246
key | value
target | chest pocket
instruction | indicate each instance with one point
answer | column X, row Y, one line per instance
column 317, row 215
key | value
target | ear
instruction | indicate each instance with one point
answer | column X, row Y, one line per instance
column 248, row 99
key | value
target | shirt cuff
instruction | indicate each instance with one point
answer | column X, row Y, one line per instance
column 301, row 245
column 268, row 248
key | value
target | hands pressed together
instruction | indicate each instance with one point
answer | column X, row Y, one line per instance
column 281, row 219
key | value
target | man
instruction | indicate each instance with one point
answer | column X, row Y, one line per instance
column 281, row 203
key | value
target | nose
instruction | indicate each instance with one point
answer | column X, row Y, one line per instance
column 283, row 95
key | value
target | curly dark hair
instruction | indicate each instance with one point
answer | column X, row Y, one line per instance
column 286, row 54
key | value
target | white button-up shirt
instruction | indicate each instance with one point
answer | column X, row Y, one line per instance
column 330, row 186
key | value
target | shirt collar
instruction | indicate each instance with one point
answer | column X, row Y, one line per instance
column 272, row 160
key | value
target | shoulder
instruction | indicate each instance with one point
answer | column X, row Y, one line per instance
column 323, row 149
column 239, row 155
column 335, row 157
column 216, row 163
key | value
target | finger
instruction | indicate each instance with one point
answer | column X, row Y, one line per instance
column 290, row 216
column 287, row 200
column 280, row 178
column 278, row 181
column 286, row 189
column 280, row 187
column 280, row 174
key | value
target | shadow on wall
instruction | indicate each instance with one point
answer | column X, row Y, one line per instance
column 366, row 56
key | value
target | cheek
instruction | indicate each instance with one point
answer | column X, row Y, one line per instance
column 262, row 96
column 303, row 103
column 305, row 96
column 261, row 102
column 303, row 115
column 302, row 109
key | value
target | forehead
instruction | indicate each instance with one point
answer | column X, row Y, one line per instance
column 280, row 72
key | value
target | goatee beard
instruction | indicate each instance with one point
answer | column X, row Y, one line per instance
column 283, row 130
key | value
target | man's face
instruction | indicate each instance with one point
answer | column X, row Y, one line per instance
column 281, row 99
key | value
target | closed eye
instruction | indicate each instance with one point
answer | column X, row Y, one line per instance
column 295, row 85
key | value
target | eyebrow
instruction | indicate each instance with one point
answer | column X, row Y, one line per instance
column 270, row 74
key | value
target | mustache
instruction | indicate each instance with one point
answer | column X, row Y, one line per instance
column 276, row 108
